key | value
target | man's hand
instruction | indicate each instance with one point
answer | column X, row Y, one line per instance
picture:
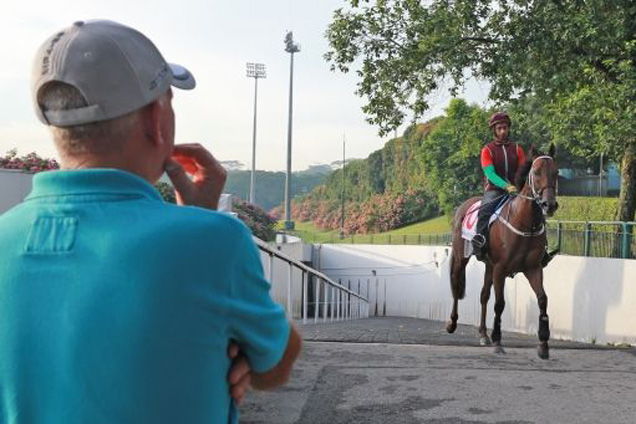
column 512, row 189
column 208, row 176
column 240, row 375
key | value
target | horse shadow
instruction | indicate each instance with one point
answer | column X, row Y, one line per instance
column 595, row 287
column 598, row 287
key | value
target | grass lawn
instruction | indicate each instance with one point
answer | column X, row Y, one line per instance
column 310, row 233
column 439, row 225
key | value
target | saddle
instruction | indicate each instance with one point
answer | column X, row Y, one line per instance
column 469, row 224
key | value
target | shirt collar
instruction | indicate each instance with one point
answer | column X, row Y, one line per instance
column 91, row 181
column 500, row 143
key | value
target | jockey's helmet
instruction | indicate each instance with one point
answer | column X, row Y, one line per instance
column 498, row 118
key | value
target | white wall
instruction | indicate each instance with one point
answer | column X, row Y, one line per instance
column 14, row 187
column 588, row 298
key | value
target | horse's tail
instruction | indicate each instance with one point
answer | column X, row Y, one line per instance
column 457, row 277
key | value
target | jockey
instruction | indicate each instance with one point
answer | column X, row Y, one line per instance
column 500, row 160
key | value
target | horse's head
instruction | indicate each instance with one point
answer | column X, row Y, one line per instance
column 542, row 180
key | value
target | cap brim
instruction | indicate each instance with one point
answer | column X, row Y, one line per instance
column 181, row 77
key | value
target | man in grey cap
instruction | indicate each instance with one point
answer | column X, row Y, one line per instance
column 116, row 307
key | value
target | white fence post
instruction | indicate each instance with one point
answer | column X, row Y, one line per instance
column 270, row 271
column 289, row 291
column 316, row 297
column 305, row 283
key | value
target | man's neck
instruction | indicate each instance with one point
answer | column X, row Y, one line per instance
column 92, row 161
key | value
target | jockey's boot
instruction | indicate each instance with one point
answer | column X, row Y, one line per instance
column 479, row 246
column 548, row 256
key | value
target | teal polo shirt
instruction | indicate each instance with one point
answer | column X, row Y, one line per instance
column 117, row 308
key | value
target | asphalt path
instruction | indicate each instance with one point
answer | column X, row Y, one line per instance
column 402, row 370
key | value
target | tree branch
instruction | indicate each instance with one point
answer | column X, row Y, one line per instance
column 480, row 40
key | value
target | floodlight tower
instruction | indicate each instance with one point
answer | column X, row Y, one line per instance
column 291, row 48
column 256, row 71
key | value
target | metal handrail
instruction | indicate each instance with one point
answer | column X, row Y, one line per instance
column 338, row 303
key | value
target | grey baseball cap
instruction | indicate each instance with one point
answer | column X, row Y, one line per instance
column 116, row 68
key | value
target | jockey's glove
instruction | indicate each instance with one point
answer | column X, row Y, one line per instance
column 512, row 189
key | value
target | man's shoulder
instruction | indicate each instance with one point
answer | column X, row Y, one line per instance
column 488, row 147
column 16, row 214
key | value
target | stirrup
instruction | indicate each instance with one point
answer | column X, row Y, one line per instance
column 548, row 256
column 479, row 241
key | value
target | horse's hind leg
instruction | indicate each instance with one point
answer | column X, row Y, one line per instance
column 499, row 280
column 458, row 287
column 485, row 296
column 535, row 277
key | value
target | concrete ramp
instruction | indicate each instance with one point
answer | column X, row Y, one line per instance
column 405, row 370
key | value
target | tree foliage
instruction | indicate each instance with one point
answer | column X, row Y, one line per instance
column 451, row 153
column 393, row 168
column 270, row 186
column 576, row 58
column 386, row 190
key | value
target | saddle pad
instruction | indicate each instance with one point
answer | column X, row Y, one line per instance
column 469, row 224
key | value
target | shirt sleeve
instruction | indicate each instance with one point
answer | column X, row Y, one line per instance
column 257, row 323
column 492, row 176
column 521, row 157
column 486, row 158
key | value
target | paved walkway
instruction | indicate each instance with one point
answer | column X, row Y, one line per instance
column 416, row 331
column 401, row 370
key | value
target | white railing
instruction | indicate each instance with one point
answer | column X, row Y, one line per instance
column 331, row 300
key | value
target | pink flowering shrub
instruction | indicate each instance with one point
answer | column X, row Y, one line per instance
column 31, row 163
column 381, row 212
column 276, row 213
column 260, row 222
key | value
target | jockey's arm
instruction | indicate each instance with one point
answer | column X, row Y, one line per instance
column 488, row 167
column 521, row 156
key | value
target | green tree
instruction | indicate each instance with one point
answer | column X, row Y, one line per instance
column 451, row 153
column 270, row 185
column 578, row 58
column 531, row 121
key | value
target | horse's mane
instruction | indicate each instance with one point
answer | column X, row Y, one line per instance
column 522, row 173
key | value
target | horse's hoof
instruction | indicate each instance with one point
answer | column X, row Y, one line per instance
column 451, row 326
column 543, row 351
column 498, row 349
column 485, row 341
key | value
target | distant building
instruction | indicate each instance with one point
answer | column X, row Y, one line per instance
column 571, row 183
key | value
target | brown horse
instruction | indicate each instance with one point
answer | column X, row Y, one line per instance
column 517, row 243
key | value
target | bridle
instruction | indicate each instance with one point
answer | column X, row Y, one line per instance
column 537, row 195
column 536, row 198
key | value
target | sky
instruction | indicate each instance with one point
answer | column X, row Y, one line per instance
column 214, row 39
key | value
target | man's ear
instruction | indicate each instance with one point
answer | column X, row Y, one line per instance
column 151, row 115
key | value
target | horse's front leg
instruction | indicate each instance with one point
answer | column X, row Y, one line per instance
column 485, row 296
column 535, row 277
column 499, row 281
